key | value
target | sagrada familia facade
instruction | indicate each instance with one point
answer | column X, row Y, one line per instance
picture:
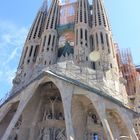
column 68, row 85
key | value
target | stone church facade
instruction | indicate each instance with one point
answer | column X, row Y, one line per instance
column 60, row 92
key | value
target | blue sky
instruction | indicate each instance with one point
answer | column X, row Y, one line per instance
column 17, row 16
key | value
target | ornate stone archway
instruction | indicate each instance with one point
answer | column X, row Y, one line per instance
column 10, row 111
column 86, row 120
column 117, row 125
column 47, row 121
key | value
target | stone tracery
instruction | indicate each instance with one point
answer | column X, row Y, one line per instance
column 52, row 125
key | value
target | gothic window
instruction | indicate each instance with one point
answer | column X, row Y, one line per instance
column 81, row 33
column 31, row 51
column 86, row 35
column 36, row 52
column 44, row 41
column 91, row 43
column 102, row 38
column 97, row 41
column 49, row 40
column 94, row 66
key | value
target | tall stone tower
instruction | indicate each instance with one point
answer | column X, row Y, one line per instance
column 60, row 92
column 102, row 36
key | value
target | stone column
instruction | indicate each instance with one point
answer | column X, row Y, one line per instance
column 128, row 122
column 33, row 127
column 79, row 117
column 66, row 92
column 100, row 108
column 26, row 96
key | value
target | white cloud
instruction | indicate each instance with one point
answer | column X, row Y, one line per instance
column 11, row 34
column 11, row 56
column 12, row 39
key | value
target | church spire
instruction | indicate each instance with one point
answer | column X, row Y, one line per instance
column 50, row 35
column 38, row 24
column 83, row 12
column 44, row 7
column 32, row 44
column 82, row 32
column 100, row 17
column 53, row 15
column 102, row 37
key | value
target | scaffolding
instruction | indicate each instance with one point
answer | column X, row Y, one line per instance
column 128, row 70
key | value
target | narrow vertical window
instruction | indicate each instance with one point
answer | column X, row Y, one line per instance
column 94, row 66
column 86, row 35
column 97, row 42
column 91, row 42
column 102, row 38
column 81, row 33
column 36, row 50
column 44, row 41
column 31, row 51
column 49, row 41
